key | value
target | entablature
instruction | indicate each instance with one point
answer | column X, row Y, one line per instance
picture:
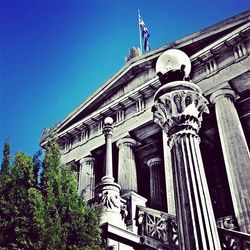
column 227, row 50
column 136, row 102
column 222, row 44
column 136, row 98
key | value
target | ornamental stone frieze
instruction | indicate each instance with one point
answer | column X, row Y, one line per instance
column 108, row 196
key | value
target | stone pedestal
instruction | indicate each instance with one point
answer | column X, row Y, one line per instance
column 157, row 184
column 108, row 195
column 133, row 199
column 178, row 108
column 86, row 184
column 127, row 177
column 236, row 154
column 169, row 182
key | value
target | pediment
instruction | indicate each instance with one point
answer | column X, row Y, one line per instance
column 142, row 68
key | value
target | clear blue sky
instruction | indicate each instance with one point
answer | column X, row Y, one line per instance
column 55, row 53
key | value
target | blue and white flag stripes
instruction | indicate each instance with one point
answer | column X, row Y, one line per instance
column 144, row 33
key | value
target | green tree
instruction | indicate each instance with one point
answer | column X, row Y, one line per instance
column 80, row 221
column 21, row 208
column 45, row 212
column 71, row 223
column 37, row 161
column 51, row 187
column 5, row 166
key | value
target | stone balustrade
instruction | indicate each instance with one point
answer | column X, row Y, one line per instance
column 159, row 230
column 233, row 240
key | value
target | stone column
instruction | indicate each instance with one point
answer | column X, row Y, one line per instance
column 236, row 154
column 107, row 191
column 127, row 177
column 86, row 185
column 157, row 184
column 108, row 134
column 169, row 182
column 178, row 108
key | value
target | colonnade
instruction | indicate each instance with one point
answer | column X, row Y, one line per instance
column 235, row 152
column 177, row 182
column 127, row 174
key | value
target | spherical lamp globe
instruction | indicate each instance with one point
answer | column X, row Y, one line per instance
column 173, row 59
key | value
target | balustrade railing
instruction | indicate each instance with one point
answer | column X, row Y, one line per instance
column 227, row 222
column 159, row 230
column 233, row 240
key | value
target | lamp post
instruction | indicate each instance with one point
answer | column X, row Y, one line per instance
column 178, row 108
column 107, row 191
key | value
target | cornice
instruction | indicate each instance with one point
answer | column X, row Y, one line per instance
column 99, row 114
column 222, row 44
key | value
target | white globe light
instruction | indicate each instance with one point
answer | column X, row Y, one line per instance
column 108, row 121
column 172, row 59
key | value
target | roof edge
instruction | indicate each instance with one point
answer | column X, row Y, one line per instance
column 196, row 36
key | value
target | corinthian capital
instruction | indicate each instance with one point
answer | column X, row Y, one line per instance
column 178, row 107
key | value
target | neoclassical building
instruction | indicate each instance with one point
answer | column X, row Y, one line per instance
column 163, row 145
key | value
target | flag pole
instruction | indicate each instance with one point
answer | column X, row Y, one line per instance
column 139, row 31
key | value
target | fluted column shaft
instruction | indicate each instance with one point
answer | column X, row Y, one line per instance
column 87, row 178
column 157, row 184
column 169, row 182
column 178, row 110
column 236, row 154
column 127, row 176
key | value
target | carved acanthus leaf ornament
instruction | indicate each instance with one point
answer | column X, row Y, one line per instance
column 180, row 112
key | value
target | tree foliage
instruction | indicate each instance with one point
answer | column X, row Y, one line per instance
column 5, row 166
column 20, row 228
column 40, row 207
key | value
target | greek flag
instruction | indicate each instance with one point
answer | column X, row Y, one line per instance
column 144, row 33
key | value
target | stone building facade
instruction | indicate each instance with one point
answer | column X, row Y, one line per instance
column 171, row 163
